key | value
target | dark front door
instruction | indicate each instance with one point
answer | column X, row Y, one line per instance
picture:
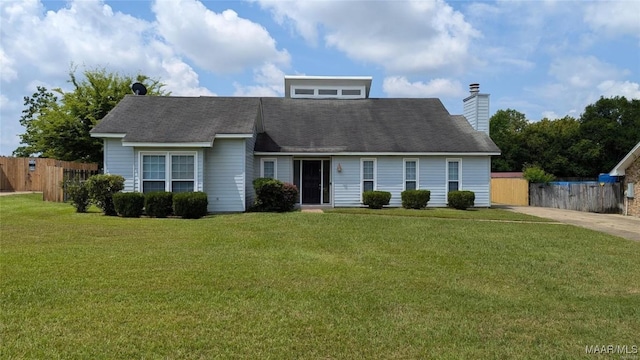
column 311, row 181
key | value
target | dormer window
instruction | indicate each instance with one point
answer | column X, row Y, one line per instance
column 327, row 87
column 304, row 92
column 326, row 92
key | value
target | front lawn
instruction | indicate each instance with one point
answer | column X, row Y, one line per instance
column 306, row 285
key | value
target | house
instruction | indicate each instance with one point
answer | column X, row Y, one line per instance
column 326, row 136
column 629, row 167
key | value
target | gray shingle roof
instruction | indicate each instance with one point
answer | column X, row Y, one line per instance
column 299, row 125
column 170, row 119
column 367, row 125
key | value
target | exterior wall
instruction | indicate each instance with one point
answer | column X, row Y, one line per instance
column 632, row 175
column 225, row 176
column 475, row 176
column 476, row 110
column 284, row 167
column 120, row 160
column 250, row 171
column 137, row 185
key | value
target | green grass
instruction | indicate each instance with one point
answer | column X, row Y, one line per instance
column 445, row 213
column 305, row 285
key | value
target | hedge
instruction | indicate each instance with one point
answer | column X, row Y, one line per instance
column 101, row 189
column 274, row 195
column 190, row 205
column 129, row 204
column 376, row 199
column 415, row 199
column 461, row 199
column 158, row 204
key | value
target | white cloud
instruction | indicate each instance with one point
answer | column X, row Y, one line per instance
column 220, row 42
column 269, row 79
column 401, row 36
column 614, row 17
column 582, row 72
column 7, row 70
column 399, row 86
column 628, row 89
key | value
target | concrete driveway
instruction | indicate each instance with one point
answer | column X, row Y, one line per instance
column 627, row 227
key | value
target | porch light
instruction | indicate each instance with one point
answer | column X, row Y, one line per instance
column 339, row 168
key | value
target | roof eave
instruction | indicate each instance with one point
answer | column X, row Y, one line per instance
column 620, row 169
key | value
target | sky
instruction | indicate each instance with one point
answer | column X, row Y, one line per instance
column 542, row 58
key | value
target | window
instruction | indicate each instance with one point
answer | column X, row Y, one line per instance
column 168, row 172
column 368, row 174
column 349, row 92
column 327, row 92
column 268, row 168
column 453, row 175
column 304, row 91
column 410, row 174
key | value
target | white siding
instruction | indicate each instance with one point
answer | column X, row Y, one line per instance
column 476, row 172
column 119, row 160
column 476, row 110
column 224, row 175
column 476, row 177
column 346, row 184
column 284, row 167
column 249, row 169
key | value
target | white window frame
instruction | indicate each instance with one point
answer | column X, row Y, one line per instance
column 275, row 166
column 316, row 94
column 168, row 179
column 404, row 172
column 375, row 175
column 446, row 177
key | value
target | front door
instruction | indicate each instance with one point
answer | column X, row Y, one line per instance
column 311, row 181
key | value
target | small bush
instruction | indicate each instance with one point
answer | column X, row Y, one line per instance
column 158, row 204
column 461, row 200
column 190, row 205
column 78, row 194
column 274, row 195
column 535, row 174
column 129, row 204
column 101, row 189
column 415, row 199
column 376, row 199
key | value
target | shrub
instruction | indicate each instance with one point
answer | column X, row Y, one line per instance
column 376, row 199
column 128, row 204
column 158, row 204
column 101, row 189
column 415, row 199
column 274, row 195
column 535, row 174
column 461, row 199
column 77, row 192
column 190, row 205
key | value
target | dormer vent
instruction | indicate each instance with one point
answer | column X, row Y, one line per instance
column 327, row 87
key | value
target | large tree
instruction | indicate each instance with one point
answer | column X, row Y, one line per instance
column 506, row 128
column 57, row 123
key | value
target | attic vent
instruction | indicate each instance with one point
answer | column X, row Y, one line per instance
column 327, row 92
column 351, row 92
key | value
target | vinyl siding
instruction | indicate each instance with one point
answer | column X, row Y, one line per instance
column 250, row 170
column 224, row 175
column 390, row 177
column 476, row 110
column 119, row 160
column 476, row 177
column 284, row 167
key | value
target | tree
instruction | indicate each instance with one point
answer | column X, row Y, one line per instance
column 59, row 127
column 609, row 128
column 506, row 128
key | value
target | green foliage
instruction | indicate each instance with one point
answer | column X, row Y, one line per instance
column 190, row 205
column 101, row 189
column 415, row 199
column 78, row 193
column 158, row 204
column 274, row 195
column 461, row 199
column 376, row 199
column 506, row 128
column 128, row 204
column 59, row 127
column 535, row 174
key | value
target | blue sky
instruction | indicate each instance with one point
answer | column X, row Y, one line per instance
column 542, row 58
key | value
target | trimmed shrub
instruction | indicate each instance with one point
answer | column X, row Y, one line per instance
column 101, row 189
column 415, row 199
column 128, row 204
column 274, row 195
column 158, row 204
column 190, row 205
column 376, row 199
column 78, row 194
column 461, row 200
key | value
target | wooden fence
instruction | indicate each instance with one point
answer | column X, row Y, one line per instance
column 53, row 187
column 29, row 174
column 589, row 197
column 510, row 191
